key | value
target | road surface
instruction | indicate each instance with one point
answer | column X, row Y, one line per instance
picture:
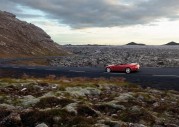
column 162, row 78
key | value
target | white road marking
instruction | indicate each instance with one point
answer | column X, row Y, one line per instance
column 75, row 71
column 166, row 76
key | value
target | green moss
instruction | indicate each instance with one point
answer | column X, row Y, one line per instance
column 49, row 102
column 4, row 113
column 84, row 110
column 16, row 102
column 65, row 118
column 136, row 117
column 82, row 122
column 107, row 109
column 3, row 98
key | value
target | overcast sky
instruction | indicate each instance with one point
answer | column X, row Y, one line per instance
column 118, row 22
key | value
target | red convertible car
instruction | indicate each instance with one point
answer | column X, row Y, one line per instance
column 128, row 68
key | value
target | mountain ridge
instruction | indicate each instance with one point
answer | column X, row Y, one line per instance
column 133, row 43
column 172, row 43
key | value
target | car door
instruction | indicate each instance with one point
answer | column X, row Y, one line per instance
column 120, row 67
column 115, row 68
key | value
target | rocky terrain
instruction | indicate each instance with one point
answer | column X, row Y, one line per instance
column 146, row 56
column 22, row 39
column 80, row 102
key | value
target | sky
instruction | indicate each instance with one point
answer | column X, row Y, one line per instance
column 108, row 22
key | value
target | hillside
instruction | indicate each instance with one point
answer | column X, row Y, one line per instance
column 22, row 39
column 172, row 43
column 133, row 43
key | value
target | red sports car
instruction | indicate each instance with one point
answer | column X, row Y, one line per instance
column 128, row 68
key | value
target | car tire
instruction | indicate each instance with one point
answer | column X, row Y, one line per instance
column 128, row 70
column 108, row 70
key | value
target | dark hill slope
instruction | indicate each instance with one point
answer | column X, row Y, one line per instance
column 172, row 43
column 22, row 39
column 133, row 43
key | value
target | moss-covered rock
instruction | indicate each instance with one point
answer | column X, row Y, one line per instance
column 85, row 103
column 49, row 102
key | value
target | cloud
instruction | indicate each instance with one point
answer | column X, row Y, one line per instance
column 9, row 6
column 100, row 13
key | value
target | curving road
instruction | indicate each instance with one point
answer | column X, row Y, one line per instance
column 162, row 78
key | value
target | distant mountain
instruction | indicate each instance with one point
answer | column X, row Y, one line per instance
column 172, row 43
column 133, row 43
column 22, row 39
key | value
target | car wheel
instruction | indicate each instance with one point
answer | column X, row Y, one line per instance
column 128, row 70
column 108, row 70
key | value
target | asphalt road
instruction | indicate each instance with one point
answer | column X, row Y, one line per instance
column 162, row 78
